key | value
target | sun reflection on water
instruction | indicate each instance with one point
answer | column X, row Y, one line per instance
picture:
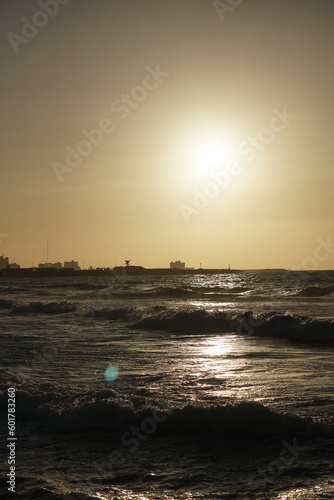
column 217, row 357
column 218, row 347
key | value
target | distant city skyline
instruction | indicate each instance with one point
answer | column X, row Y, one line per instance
column 153, row 130
column 322, row 253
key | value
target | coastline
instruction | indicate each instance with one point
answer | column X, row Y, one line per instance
column 116, row 271
column 119, row 271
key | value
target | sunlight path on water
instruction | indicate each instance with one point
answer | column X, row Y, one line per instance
column 324, row 490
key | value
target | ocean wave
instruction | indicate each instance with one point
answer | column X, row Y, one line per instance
column 288, row 326
column 193, row 321
column 14, row 289
column 121, row 313
column 195, row 292
column 203, row 321
column 38, row 492
column 187, row 321
column 6, row 304
column 316, row 291
column 219, row 289
column 246, row 419
column 270, row 324
column 43, row 308
column 155, row 293
column 78, row 286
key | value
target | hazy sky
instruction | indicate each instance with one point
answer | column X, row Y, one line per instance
column 185, row 91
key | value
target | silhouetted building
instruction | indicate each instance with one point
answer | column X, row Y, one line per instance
column 13, row 265
column 48, row 265
column 4, row 261
column 72, row 265
column 177, row 265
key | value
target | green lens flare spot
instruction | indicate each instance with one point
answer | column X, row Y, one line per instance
column 111, row 373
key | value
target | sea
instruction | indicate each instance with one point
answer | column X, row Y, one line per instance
column 168, row 387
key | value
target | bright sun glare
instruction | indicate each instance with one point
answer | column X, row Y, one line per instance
column 211, row 156
column 207, row 154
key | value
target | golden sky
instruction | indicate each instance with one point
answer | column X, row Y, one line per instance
column 153, row 130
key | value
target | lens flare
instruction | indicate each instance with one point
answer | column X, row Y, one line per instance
column 111, row 373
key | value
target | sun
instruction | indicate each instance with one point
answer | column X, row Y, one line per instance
column 210, row 156
column 204, row 153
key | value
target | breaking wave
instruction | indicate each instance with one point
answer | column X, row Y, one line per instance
column 6, row 304
column 192, row 321
column 193, row 292
column 316, row 291
column 270, row 324
column 78, row 286
column 247, row 419
column 43, row 308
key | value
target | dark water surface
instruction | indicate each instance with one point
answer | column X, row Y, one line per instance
column 170, row 388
